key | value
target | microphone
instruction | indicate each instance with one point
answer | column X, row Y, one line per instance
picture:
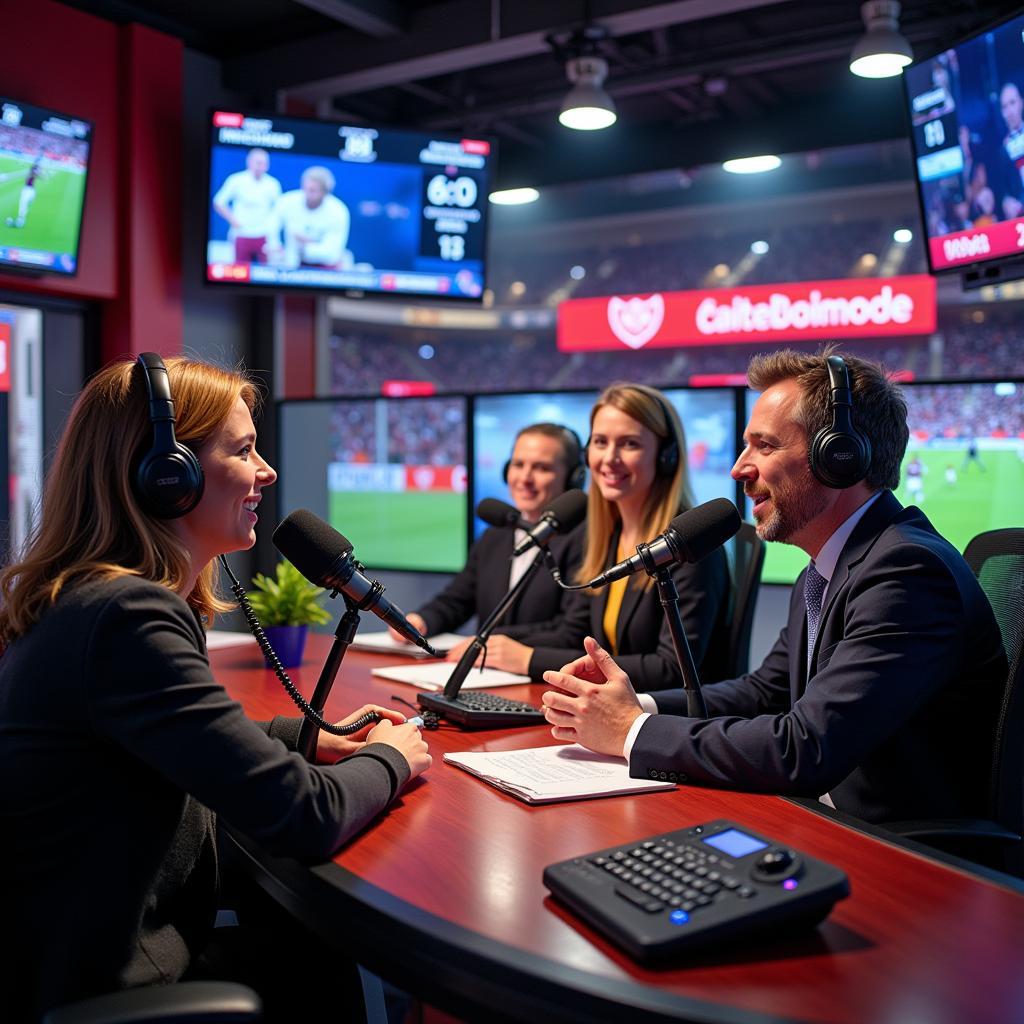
column 690, row 537
column 498, row 513
column 324, row 557
column 567, row 511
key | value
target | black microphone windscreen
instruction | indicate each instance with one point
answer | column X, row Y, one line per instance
column 497, row 513
column 310, row 544
column 706, row 527
column 569, row 509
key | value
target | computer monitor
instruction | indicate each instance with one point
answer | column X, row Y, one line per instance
column 964, row 465
column 708, row 415
column 388, row 473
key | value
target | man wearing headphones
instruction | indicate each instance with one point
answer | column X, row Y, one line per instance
column 546, row 460
column 881, row 693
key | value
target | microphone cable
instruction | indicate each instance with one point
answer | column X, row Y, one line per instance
column 275, row 663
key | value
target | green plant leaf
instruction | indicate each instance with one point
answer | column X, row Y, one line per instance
column 287, row 599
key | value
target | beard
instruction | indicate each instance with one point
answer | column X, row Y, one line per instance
column 794, row 504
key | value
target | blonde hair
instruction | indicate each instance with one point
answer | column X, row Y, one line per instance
column 668, row 496
column 92, row 524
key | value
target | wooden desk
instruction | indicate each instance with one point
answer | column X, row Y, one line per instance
column 443, row 897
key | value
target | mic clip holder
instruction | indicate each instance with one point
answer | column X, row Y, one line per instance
column 344, row 634
column 668, row 594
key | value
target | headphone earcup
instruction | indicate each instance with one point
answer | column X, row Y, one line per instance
column 577, row 479
column 668, row 458
column 504, row 471
column 839, row 458
column 169, row 484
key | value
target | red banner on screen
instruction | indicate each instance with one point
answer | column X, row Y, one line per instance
column 435, row 478
column 407, row 388
column 5, row 357
column 866, row 307
column 977, row 243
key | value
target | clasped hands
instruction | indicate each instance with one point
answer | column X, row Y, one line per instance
column 593, row 702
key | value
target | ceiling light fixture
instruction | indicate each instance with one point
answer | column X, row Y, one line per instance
column 587, row 107
column 882, row 51
column 752, row 164
column 514, row 196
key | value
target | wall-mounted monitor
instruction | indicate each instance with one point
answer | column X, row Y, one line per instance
column 388, row 473
column 964, row 465
column 708, row 415
column 296, row 203
column 967, row 117
column 44, row 163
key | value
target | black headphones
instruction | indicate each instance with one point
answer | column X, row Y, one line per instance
column 839, row 454
column 574, row 455
column 668, row 448
column 168, row 480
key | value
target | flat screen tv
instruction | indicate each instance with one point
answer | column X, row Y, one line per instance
column 44, row 163
column 963, row 467
column 388, row 473
column 967, row 116
column 708, row 415
column 296, row 203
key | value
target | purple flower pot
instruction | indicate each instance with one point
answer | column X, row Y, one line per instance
column 288, row 642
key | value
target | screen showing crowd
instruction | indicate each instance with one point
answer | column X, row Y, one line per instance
column 967, row 112
column 312, row 204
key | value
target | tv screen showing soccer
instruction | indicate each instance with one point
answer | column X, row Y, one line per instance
column 44, row 160
column 389, row 474
column 297, row 203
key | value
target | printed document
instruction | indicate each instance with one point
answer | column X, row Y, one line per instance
column 432, row 675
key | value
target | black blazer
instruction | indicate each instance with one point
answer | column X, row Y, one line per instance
column 644, row 648
column 897, row 718
column 484, row 582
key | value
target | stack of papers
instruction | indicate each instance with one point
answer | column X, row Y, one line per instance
column 433, row 675
column 384, row 641
column 543, row 775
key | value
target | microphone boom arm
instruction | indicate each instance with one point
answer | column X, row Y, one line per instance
column 469, row 655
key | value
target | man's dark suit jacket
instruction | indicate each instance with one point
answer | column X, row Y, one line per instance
column 897, row 717
column 643, row 641
column 479, row 588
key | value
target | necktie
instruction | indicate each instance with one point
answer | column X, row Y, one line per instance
column 814, row 591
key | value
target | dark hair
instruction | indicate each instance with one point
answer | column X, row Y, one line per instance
column 879, row 410
column 572, row 449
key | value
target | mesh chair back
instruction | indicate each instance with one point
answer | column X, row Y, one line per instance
column 746, row 559
column 997, row 559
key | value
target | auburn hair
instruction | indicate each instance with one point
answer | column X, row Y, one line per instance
column 92, row 524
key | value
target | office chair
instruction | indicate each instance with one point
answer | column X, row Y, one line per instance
column 187, row 1002
column 746, row 559
column 997, row 559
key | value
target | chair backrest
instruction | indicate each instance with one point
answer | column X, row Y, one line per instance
column 997, row 560
column 746, row 558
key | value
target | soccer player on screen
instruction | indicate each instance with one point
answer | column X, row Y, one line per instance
column 1011, row 106
column 28, row 193
column 312, row 223
column 246, row 201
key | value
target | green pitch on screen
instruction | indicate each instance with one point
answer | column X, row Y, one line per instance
column 975, row 502
column 52, row 221
column 423, row 530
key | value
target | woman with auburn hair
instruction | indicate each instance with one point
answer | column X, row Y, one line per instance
column 117, row 746
column 639, row 483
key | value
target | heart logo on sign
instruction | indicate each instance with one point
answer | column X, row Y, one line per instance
column 635, row 321
column 423, row 477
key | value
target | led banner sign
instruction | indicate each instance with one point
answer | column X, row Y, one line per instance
column 865, row 307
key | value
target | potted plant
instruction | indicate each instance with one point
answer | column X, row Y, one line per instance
column 286, row 606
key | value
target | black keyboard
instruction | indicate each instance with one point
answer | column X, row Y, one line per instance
column 694, row 888
column 478, row 709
